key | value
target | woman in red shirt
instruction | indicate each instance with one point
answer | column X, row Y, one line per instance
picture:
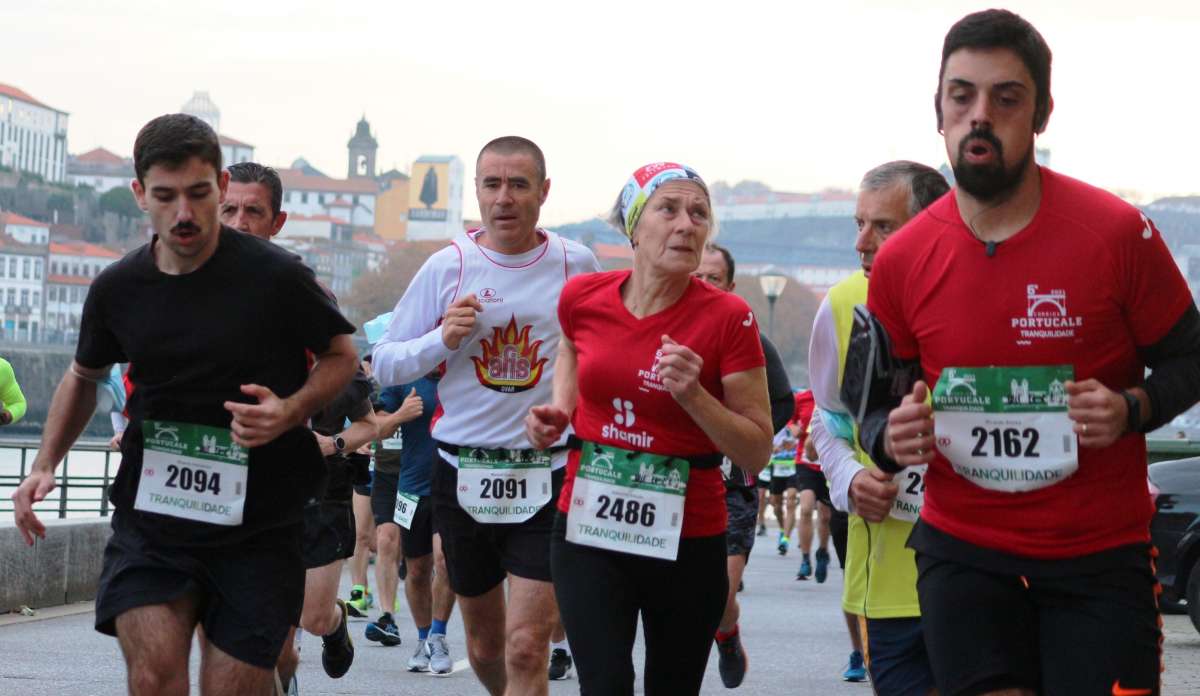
column 659, row 374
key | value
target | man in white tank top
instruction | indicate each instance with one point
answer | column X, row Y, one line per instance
column 485, row 308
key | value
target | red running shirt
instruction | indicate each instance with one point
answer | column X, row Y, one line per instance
column 1086, row 283
column 621, row 400
column 805, row 405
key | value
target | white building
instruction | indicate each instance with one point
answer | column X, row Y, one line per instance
column 24, row 230
column 101, row 169
column 204, row 108
column 301, row 226
column 72, row 267
column 234, row 151
column 22, row 277
column 33, row 136
column 309, row 192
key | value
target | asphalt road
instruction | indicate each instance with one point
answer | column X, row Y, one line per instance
column 792, row 630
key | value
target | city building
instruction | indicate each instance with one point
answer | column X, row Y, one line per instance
column 22, row 277
column 391, row 205
column 435, row 191
column 24, row 230
column 362, row 149
column 33, row 136
column 101, row 169
column 233, row 151
column 72, row 268
column 308, row 191
column 777, row 204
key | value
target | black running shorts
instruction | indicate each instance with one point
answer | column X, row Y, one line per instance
column 811, row 480
column 743, row 521
column 779, row 484
column 417, row 540
column 383, row 497
column 479, row 556
column 328, row 533
column 249, row 594
column 1081, row 627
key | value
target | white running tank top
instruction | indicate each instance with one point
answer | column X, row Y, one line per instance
column 506, row 365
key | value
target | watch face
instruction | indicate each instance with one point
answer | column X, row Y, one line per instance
column 339, row 443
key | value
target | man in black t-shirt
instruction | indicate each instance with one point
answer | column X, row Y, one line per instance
column 216, row 461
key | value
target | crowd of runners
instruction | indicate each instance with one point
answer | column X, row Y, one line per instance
column 560, row 453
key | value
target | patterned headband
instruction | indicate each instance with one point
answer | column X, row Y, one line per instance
column 642, row 184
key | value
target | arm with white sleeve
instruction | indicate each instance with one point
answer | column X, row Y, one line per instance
column 413, row 345
column 836, row 455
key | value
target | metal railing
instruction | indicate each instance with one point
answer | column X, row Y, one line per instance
column 68, row 498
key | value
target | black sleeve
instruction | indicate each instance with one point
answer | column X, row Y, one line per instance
column 1174, row 361
column 779, row 389
column 311, row 314
column 98, row 346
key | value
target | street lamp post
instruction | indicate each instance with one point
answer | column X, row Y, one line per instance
column 772, row 283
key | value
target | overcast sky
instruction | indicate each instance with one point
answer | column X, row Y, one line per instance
column 800, row 95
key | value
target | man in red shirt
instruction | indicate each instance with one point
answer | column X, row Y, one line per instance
column 1031, row 303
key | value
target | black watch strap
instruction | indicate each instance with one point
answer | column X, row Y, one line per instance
column 1134, row 408
column 339, row 443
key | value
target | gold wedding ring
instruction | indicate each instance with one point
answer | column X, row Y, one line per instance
column 1085, row 428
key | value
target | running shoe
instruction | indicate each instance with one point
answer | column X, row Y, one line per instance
column 855, row 671
column 384, row 631
column 783, row 544
column 805, row 569
column 419, row 662
column 762, row 530
column 822, row 565
column 337, row 650
column 360, row 601
column 439, row 654
column 560, row 665
column 732, row 661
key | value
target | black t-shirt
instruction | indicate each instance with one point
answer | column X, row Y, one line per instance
column 245, row 317
column 352, row 403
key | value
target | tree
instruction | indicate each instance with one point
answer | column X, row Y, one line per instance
column 376, row 292
column 63, row 204
column 120, row 201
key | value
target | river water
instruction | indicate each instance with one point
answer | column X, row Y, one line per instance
column 85, row 468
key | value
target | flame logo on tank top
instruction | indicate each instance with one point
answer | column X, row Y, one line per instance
column 510, row 361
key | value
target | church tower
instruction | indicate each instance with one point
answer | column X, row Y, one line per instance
column 362, row 149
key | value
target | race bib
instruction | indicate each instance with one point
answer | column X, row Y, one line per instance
column 911, row 496
column 501, row 485
column 395, row 442
column 1006, row 428
column 628, row 501
column 406, row 508
column 194, row 472
column 783, row 467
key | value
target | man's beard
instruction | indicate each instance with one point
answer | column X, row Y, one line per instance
column 990, row 181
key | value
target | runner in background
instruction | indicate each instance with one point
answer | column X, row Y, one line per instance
column 813, row 492
column 783, row 487
column 361, row 600
column 717, row 269
column 880, row 578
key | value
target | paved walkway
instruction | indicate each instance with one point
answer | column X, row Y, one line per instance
column 792, row 630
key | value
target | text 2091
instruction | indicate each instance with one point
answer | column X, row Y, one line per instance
column 500, row 488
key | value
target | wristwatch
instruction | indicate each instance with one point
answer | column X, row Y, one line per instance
column 1134, row 407
column 339, row 444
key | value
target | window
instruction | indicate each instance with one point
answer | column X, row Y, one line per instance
column 74, row 269
column 53, row 268
column 12, row 267
column 37, row 298
column 25, row 268
column 52, row 294
column 12, row 296
column 304, row 197
column 37, row 270
column 24, row 297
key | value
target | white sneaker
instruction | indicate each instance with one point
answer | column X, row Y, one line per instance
column 439, row 654
column 419, row 662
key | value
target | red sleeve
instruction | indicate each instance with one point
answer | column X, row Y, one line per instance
column 741, row 348
column 885, row 298
column 1154, row 292
column 566, row 301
